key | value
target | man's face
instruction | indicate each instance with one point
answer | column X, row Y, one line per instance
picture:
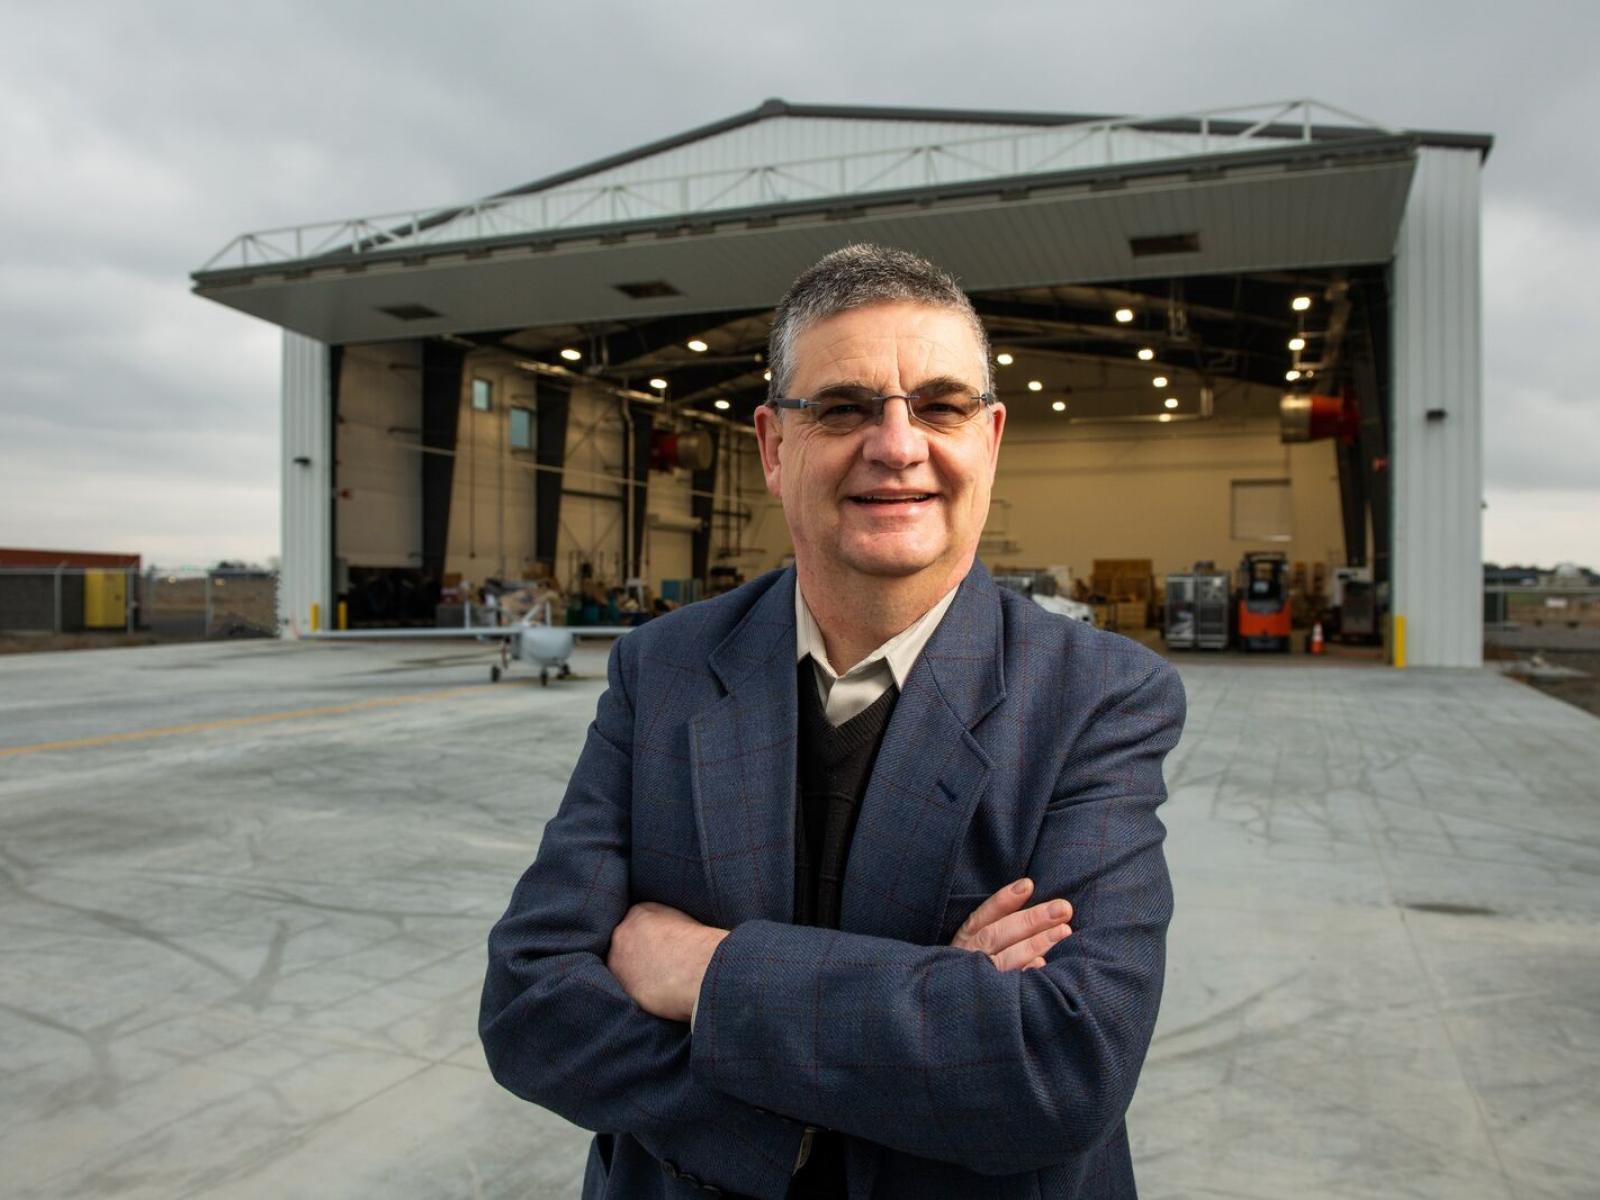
column 892, row 499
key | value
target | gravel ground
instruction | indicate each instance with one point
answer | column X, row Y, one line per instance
column 1580, row 692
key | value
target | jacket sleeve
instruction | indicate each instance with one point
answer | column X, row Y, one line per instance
column 557, row 1027
column 932, row 1050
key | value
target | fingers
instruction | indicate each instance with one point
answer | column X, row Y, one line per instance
column 1003, row 903
column 1030, row 951
column 1009, row 931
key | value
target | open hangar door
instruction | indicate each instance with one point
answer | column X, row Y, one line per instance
column 1171, row 422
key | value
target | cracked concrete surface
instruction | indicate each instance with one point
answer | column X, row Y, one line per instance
column 243, row 951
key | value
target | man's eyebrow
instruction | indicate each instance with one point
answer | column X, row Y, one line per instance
column 938, row 382
column 948, row 383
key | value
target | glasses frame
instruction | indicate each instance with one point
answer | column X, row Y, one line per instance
column 987, row 401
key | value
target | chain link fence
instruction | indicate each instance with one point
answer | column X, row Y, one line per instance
column 167, row 604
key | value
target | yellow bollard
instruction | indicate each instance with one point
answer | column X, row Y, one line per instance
column 344, row 615
column 1399, row 641
column 316, row 617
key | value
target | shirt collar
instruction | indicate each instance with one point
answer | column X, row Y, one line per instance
column 899, row 653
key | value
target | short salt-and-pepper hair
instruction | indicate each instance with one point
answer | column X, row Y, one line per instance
column 858, row 276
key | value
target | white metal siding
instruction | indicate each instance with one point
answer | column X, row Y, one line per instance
column 1438, row 465
column 307, row 488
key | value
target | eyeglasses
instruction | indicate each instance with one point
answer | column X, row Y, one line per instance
column 845, row 408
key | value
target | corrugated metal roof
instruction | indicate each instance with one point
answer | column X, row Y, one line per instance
column 903, row 120
column 783, row 154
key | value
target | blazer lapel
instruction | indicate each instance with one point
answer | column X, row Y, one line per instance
column 743, row 768
column 929, row 776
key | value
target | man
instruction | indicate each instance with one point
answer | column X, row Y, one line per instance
column 778, row 940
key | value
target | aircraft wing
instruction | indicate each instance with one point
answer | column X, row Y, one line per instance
column 474, row 631
column 421, row 634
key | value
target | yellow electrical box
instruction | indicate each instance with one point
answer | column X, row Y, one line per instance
column 105, row 600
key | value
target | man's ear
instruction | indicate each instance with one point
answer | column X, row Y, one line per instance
column 769, row 436
column 997, row 426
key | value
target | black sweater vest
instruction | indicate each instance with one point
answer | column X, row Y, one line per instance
column 835, row 765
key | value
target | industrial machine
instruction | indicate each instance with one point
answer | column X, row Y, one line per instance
column 1197, row 609
column 1355, row 605
column 1264, row 618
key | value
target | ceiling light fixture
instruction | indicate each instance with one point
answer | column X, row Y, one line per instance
column 1146, row 354
column 767, row 375
column 1291, row 375
column 1300, row 303
column 1035, row 386
column 659, row 384
column 1004, row 359
column 1059, row 405
column 1171, row 402
column 1159, row 381
column 1165, row 417
column 698, row 346
column 721, row 403
column 1124, row 315
column 571, row 355
column 1297, row 344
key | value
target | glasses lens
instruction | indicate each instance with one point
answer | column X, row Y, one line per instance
column 842, row 409
column 945, row 407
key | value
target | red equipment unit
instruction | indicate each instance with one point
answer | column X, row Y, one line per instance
column 1312, row 418
column 1264, row 616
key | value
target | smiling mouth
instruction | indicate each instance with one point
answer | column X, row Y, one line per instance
column 905, row 498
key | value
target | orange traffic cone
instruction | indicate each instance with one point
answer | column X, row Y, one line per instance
column 1316, row 638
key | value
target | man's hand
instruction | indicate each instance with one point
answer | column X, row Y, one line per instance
column 1014, row 940
column 659, row 956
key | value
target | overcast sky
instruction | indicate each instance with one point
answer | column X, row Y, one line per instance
column 136, row 139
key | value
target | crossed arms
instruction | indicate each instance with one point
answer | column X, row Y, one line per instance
column 933, row 1050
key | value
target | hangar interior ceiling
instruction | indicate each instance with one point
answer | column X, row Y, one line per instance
column 1198, row 332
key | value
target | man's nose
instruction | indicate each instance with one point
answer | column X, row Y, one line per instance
column 895, row 440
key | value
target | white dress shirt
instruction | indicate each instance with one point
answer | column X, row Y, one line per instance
column 843, row 696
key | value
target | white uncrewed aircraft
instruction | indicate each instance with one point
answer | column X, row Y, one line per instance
column 545, row 646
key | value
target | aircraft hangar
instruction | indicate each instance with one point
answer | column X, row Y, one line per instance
column 1241, row 330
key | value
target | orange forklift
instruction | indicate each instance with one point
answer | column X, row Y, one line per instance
column 1263, row 608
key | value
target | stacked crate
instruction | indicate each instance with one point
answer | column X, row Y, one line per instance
column 1124, row 588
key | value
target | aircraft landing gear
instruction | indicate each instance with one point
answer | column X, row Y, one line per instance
column 566, row 672
column 494, row 674
column 544, row 677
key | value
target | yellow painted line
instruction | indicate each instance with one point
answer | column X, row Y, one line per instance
column 299, row 714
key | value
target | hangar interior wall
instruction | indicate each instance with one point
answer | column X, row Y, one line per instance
column 1159, row 492
column 379, row 503
column 1065, row 494
column 493, row 502
column 492, row 491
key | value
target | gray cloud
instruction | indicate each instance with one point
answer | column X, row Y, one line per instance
column 136, row 139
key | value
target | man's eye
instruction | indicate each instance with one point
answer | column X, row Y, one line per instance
column 842, row 405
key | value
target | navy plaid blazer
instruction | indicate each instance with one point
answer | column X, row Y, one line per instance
column 1022, row 744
